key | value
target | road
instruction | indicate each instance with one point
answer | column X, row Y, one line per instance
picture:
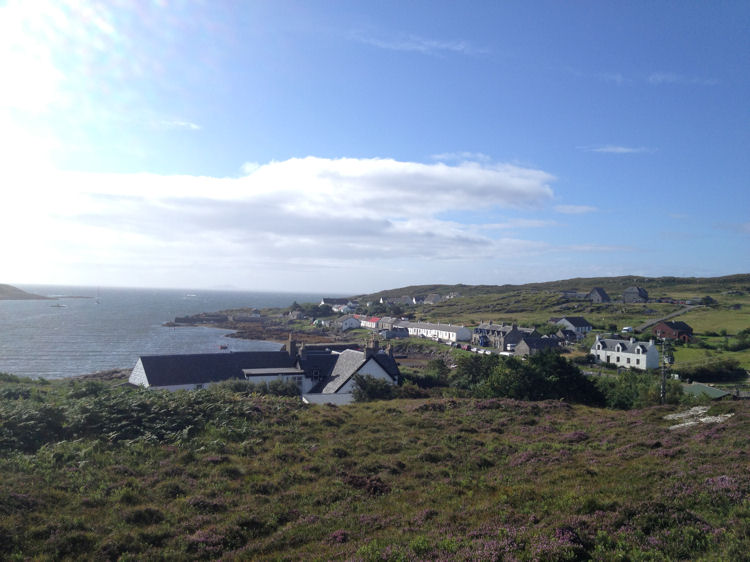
column 647, row 325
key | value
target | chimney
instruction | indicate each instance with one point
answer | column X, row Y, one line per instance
column 291, row 347
column 372, row 348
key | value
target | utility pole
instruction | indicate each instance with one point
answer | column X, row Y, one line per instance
column 663, row 393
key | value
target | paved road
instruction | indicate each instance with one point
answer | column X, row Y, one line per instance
column 647, row 325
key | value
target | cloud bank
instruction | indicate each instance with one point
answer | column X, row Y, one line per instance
column 308, row 212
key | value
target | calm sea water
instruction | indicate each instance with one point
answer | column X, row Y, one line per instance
column 41, row 339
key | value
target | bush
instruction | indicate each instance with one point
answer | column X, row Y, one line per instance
column 368, row 388
column 719, row 371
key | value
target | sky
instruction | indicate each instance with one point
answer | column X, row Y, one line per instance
column 347, row 147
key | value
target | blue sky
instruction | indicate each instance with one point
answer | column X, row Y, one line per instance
column 357, row 146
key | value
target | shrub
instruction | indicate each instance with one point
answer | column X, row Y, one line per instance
column 368, row 388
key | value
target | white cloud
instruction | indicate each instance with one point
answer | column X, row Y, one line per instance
column 177, row 124
column 316, row 212
column 417, row 44
column 658, row 78
column 461, row 157
column 614, row 77
column 575, row 209
column 617, row 149
column 518, row 223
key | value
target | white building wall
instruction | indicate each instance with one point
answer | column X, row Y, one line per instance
column 138, row 375
column 305, row 384
column 338, row 399
column 643, row 361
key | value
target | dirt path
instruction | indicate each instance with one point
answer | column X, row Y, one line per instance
column 650, row 323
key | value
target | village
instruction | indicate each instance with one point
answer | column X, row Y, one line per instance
column 359, row 344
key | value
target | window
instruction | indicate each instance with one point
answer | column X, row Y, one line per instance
column 637, row 361
column 628, row 360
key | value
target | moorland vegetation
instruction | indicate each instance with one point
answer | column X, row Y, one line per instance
column 99, row 470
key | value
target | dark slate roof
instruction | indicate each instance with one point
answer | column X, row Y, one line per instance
column 627, row 346
column 318, row 364
column 577, row 321
column 388, row 363
column 567, row 334
column 600, row 292
column 679, row 325
column 347, row 364
column 169, row 370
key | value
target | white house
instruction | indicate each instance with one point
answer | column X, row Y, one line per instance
column 321, row 374
column 338, row 387
column 370, row 322
column 347, row 323
column 192, row 371
column 444, row 332
column 577, row 324
column 630, row 353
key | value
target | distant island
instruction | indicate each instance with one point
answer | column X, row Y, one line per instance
column 11, row 293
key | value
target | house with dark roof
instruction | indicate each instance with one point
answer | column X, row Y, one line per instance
column 191, row 371
column 530, row 345
column 577, row 324
column 675, row 330
column 598, row 295
column 338, row 386
column 567, row 337
column 322, row 374
column 630, row 354
column 502, row 336
column 635, row 294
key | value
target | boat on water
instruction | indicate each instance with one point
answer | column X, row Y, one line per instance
column 59, row 305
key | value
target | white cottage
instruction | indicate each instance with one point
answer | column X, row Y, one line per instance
column 443, row 332
column 630, row 353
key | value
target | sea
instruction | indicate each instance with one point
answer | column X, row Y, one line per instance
column 89, row 329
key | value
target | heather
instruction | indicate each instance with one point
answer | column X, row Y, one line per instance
column 99, row 471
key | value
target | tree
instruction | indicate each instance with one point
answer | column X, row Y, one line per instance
column 543, row 376
column 368, row 388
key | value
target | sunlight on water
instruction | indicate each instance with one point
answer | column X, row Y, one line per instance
column 113, row 327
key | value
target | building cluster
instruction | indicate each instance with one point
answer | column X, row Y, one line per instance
column 389, row 328
column 322, row 373
column 517, row 340
column 598, row 295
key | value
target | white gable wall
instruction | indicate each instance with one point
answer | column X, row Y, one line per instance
column 304, row 383
column 371, row 368
column 138, row 375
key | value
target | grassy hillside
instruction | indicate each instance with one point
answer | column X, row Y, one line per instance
column 657, row 287
column 96, row 471
column 9, row 292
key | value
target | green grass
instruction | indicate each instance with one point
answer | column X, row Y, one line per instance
column 706, row 319
column 94, row 471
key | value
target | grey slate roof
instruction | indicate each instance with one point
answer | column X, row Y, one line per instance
column 172, row 370
column 679, row 325
column 347, row 364
column 600, row 293
column 577, row 321
column 627, row 346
